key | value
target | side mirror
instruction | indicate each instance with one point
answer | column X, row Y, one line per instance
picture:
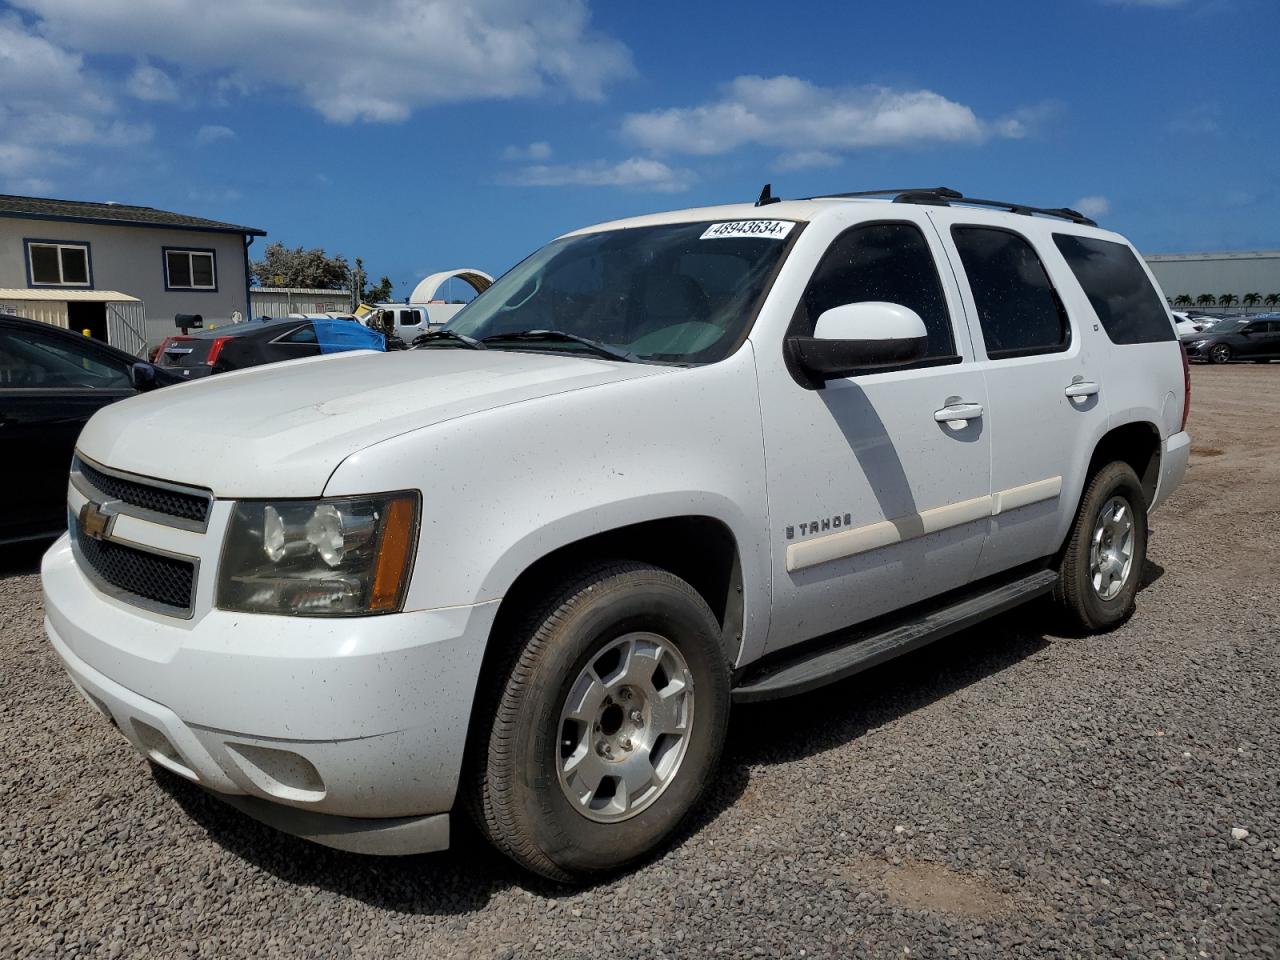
column 855, row 338
column 143, row 376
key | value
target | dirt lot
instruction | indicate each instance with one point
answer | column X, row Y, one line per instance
column 1010, row 792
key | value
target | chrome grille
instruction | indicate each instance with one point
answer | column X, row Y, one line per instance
column 138, row 576
column 150, row 499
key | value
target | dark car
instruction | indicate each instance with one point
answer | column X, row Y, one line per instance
column 257, row 342
column 1244, row 338
column 51, row 382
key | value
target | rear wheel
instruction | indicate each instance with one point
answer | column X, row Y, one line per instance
column 1220, row 353
column 1105, row 552
column 608, row 723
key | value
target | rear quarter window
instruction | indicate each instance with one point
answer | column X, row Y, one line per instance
column 1123, row 298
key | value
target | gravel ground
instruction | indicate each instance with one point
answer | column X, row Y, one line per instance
column 1010, row 792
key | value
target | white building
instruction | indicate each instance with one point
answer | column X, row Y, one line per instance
column 121, row 272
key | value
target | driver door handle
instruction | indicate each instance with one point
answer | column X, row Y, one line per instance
column 1081, row 388
column 958, row 411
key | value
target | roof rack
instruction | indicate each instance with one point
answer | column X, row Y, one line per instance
column 945, row 196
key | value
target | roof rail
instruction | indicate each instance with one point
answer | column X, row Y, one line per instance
column 945, row 196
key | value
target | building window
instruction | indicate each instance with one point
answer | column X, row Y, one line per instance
column 54, row 264
column 189, row 270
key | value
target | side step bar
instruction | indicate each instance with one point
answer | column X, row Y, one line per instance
column 865, row 650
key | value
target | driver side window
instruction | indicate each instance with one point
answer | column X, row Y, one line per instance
column 33, row 361
column 888, row 262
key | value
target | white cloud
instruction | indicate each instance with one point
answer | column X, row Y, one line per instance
column 1092, row 206
column 805, row 160
column 798, row 115
column 373, row 61
column 636, row 172
column 541, row 150
column 50, row 110
column 213, row 132
column 151, row 83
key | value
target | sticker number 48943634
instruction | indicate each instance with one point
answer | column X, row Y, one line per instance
column 766, row 229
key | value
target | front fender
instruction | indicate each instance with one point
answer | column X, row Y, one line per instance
column 505, row 487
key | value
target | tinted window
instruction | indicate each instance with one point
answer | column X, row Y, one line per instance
column 301, row 335
column 32, row 361
column 1018, row 308
column 888, row 262
column 1124, row 300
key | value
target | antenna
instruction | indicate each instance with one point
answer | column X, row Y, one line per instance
column 767, row 197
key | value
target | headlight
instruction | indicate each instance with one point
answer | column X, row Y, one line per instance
column 1198, row 343
column 340, row 557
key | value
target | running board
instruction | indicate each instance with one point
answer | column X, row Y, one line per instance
column 865, row 650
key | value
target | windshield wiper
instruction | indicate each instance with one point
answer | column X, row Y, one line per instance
column 595, row 346
column 450, row 335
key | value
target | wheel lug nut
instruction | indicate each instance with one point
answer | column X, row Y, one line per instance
column 602, row 747
column 624, row 694
column 636, row 716
column 626, row 743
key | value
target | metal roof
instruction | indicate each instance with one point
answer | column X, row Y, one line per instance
column 1224, row 255
column 65, row 295
column 119, row 214
column 325, row 291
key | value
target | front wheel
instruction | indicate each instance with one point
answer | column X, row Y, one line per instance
column 1105, row 551
column 1221, row 353
column 608, row 723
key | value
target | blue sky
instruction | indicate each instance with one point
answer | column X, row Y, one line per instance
column 429, row 135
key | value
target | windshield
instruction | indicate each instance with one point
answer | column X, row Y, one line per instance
column 676, row 293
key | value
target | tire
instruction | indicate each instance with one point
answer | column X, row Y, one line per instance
column 1086, row 605
column 1220, row 353
column 522, row 799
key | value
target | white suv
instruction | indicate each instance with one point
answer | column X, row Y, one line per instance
column 663, row 465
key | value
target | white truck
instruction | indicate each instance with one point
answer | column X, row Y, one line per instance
column 663, row 465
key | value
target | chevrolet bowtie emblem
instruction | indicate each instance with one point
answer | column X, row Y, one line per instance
column 93, row 522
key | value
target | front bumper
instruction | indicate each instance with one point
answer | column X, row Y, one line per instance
column 290, row 718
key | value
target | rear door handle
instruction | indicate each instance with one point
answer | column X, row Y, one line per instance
column 958, row 411
column 1081, row 388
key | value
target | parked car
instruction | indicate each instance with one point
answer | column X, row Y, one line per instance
column 663, row 465
column 1246, row 338
column 1186, row 326
column 51, row 382
column 251, row 344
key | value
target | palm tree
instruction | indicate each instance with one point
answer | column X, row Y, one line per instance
column 1228, row 300
column 1206, row 300
column 1272, row 299
column 1251, row 299
column 1182, row 300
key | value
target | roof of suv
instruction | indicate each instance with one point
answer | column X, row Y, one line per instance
column 809, row 209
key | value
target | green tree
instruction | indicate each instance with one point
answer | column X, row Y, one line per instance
column 1272, row 299
column 1206, row 300
column 1251, row 299
column 379, row 293
column 314, row 269
column 1182, row 300
column 1228, row 300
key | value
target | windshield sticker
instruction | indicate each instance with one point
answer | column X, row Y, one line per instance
column 768, row 229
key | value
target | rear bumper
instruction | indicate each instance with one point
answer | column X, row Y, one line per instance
column 1175, row 452
column 347, row 732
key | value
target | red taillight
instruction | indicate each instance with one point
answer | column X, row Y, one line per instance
column 215, row 349
column 1186, row 387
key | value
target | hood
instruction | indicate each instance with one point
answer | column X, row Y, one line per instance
column 281, row 430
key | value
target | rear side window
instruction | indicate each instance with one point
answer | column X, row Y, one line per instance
column 1130, row 309
column 1020, row 312
column 888, row 262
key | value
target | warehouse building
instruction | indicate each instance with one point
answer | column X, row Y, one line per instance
column 120, row 272
column 282, row 301
column 1236, row 273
